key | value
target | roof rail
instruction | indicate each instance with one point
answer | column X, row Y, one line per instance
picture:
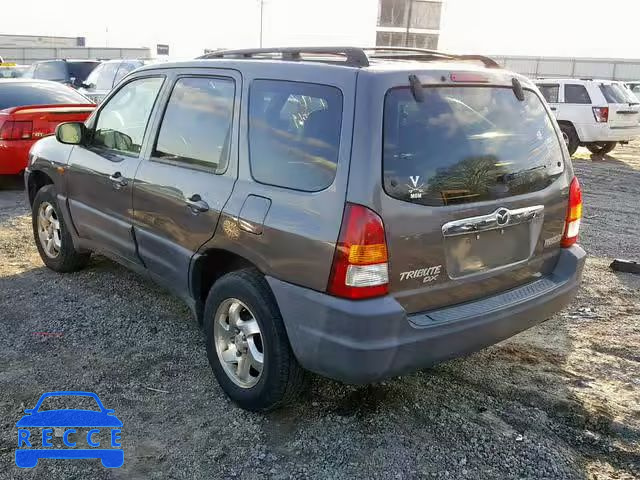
column 410, row 53
column 354, row 57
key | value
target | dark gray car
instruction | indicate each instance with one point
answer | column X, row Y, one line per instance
column 356, row 213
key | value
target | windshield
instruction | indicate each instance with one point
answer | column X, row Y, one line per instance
column 467, row 144
column 18, row 94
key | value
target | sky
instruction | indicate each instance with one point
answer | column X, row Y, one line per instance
column 587, row 28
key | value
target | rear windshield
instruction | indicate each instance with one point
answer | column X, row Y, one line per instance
column 81, row 70
column 18, row 94
column 467, row 144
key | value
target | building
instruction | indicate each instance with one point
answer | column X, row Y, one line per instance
column 27, row 49
column 409, row 23
column 32, row 41
column 559, row 67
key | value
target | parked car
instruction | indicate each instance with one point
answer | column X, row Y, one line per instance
column 69, row 72
column 11, row 70
column 597, row 114
column 30, row 110
column 342, row 211
column 106, row 76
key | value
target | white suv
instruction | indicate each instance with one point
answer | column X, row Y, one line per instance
column 597, row 114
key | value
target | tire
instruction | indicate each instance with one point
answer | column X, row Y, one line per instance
column 570, row 138
column 601, row 148
column 281, row 379
column 65, row 257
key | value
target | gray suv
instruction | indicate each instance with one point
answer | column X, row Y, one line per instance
column 357, row 213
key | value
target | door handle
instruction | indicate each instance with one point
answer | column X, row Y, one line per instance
column 196, row 204
column 118, row 180
column 553, row 109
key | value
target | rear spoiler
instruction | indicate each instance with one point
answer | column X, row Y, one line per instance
column 59, row 108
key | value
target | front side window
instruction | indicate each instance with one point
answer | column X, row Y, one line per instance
column 576, row 94
column 294, row 133
column 196, row 127
column 467, row 144
column 550, row 92
column 123, row 120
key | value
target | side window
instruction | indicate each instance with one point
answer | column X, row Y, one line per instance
column 125, row 67
column 294, row 133
column 196, row 127
column 550, row 92
column 576, row 94
column 105, row 79
column 123, row 119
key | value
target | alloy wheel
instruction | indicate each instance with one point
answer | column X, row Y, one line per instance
column 49, row 230
column 238, row 342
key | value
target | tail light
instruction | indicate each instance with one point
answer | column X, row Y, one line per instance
column 16, row 130
column 360, row 268
column 601, row 114
column 574, row 214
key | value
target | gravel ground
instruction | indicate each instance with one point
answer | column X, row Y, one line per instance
column 559, row 401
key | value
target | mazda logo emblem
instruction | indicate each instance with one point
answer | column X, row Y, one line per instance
column 502, row 216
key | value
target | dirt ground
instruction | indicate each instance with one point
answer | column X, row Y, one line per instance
column 561, row 401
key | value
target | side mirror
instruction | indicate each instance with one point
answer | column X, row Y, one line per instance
column 71, row 133
column 28, row 410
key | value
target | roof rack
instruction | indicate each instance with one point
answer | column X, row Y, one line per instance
column 350, row 56
column 353, row 57
column 409, row 53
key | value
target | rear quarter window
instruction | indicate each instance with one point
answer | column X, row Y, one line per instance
column 467, row 144
column 294, row 133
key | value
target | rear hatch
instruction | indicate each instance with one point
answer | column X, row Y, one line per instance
column 624, row 109
column 475, row 192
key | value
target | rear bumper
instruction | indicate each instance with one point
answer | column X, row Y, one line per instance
column 604, row 132
column 365, row 341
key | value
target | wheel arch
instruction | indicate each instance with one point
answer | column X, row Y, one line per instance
column 207, row 267
column 35, row 181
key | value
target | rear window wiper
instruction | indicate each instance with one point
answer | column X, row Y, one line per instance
column 416, row 88
column 507, row 177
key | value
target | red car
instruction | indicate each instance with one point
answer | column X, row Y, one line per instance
column 30, row 110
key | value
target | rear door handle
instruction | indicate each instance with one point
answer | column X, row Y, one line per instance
column 196, row 204
column 118, row 180
column 553, row 109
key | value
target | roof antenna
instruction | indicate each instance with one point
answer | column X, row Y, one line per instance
column 416, row 88
column 517, row 89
